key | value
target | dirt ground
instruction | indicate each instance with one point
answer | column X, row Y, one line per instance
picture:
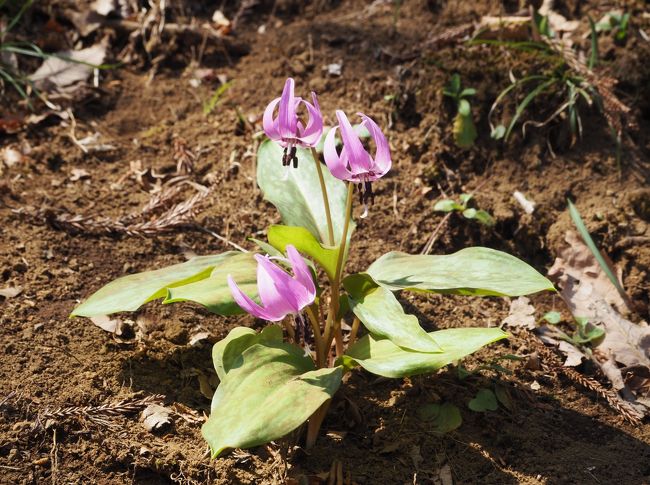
column 554, row 433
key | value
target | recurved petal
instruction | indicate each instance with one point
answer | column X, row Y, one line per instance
column 314, row 129
column 382, row 160
column 302, row 276
column 287, row 116
column 245, row 302
column 269, row 124
column 335, row 162
column 358, row 157
column 274, row 287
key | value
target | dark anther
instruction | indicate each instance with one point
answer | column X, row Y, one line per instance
column 360, row 189
column 292, row 156
column 368, row 195
column 285, row 161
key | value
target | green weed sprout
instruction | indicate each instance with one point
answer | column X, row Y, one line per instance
column 615, row 22
column 464, row 129
column 450, row 205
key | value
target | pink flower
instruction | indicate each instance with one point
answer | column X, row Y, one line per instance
column 287, row 129
column 281, row 294
column 354, row 163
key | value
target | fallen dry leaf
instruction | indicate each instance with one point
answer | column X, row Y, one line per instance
column 155, row 417
column 68, row 67
column 522, row 314
column 112, row 325
column 578, row 272
column 93, row 143
column 11, row 291
column 573, row 355
column 10, row 156
column 590, row 294
column 198, row 337
column 78, row 174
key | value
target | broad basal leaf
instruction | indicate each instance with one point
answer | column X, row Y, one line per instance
column 130, row 292
column 213, row 292
column 305, row 243
column 227, row 350
column 470, row 271
column 383, row 316
column 269, row 391
column 384, row 358
column 296, row 191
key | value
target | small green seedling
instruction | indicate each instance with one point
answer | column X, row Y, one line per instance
column 553, row 317
column 464, row 129
column 440, row 418
column 450, row 205
column 215, row 99
column 585, row 333
column 615, row 22
column 485, row 400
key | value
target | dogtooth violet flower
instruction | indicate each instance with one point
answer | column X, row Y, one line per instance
column 354, row 163
column 281, row 293
column 287, row 129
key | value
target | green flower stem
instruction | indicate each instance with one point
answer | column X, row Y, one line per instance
column 326, row 201
column 314, row 424
column 332, row 326
column 354, row 331
column 320, row 351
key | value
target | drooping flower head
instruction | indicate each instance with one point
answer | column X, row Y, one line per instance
column 287, row 129
column 281, row 294
column 354, row 163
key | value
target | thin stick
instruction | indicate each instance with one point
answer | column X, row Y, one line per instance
column 222, row 239
column 326, row 202
column 434, row 235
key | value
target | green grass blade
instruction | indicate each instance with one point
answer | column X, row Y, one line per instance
column 17, row 17
column 584, row 233
column 527, row 46
column 214, row 100
column 11, row 80
column 527, row 100
column 505, row 92
column 593, row 56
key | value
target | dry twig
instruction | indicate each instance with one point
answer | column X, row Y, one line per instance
column 100, row 415
column 624, row 408
column 178, row 215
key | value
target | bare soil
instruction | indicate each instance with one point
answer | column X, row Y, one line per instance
column 555, row 434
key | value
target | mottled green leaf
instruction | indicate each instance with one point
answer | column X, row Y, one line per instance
column 383, row 316
column 228, row 349
column 305, row 243
column 131, row 292
column 269, row 390
column 470, row 271
column 296, row 191
column 213, row 292
column 384, row 358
